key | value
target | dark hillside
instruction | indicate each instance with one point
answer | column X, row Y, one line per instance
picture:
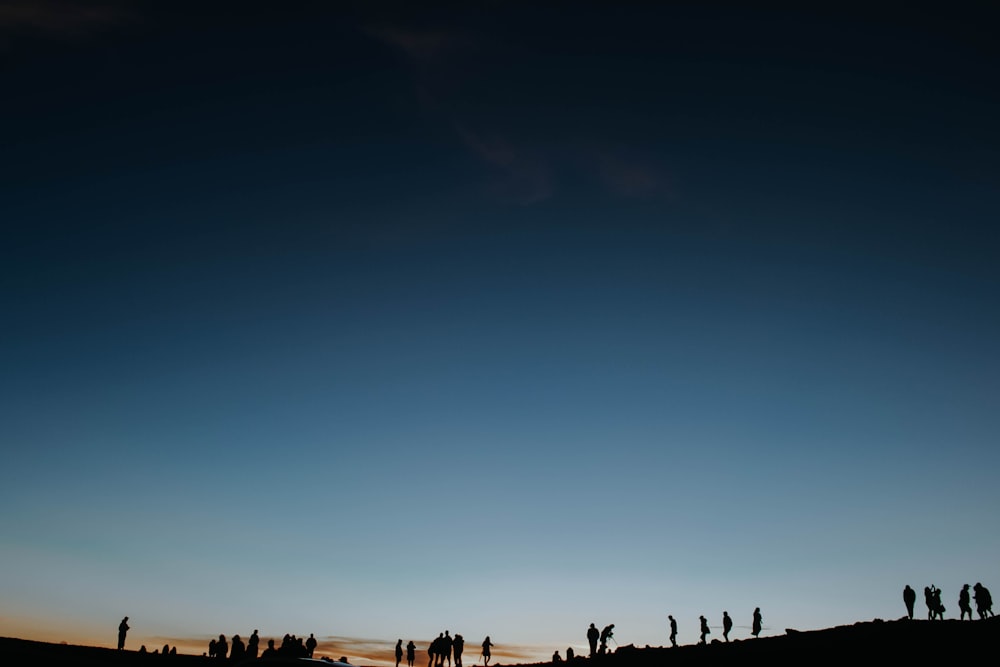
column 874, row 643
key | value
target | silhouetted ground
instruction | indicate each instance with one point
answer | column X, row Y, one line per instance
column 876, row 642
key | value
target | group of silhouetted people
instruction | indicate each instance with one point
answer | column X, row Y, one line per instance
column 236, row 650
column 598, row 639
column 727, row 627
column 570, row 655
column 167, row 650
column 411, row 652
column 935, row 608
column 603, row 636
column 291, row 647
column 441, row 650
column 123, row 629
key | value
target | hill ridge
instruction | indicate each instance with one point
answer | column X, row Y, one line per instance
column 864, row 642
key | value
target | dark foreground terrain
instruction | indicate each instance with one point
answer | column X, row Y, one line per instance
column 874, row 643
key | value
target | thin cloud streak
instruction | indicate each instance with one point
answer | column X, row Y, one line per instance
column 61, row 19
column 519, row 175
column 420, row 46
column 442, row 60
column 522, row 175
column 631, row 178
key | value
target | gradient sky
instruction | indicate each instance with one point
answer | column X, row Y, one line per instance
column 504, row 318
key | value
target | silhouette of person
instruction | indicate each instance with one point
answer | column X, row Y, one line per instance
column 142, row 649
column 411, row 653
column 238, row 651
column 673, row 631
column 211, row 649
column 592, row 634
column 399, row 651
column 929, row 601
column 166, row 649
column 270, row 651
column 727, row 625
column 570, row 654
column 704, row 629
column 433, row 650
column 964, row 603
column 310, row 645
column 556, row 657
column 487, row 644
column 253, row 643
column 457, row 647
column 758, row 621
column 909, row 599
column 173, row 650
column 122, row 631
column 938, row 607
column 446, row 647
column 221, row 647
column 984, row 601
column 606, row 634
column 439, row 648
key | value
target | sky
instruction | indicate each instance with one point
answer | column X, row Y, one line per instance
column 372, row 320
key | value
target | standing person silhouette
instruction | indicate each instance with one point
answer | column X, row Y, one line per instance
column 487, row 644
column 253, row 644
column 673, row 631
column 606, row 634
column 238, row 651
column 447, row 645
column 964, row 606
column 411, row 653
column 704, row 629
column 122, row 631
column 938, row 607
column 758, row 621
column 311, row 644
column 984, row 601
column 434, row 651
column 727, row 625
column 592, row 634
column 458, row 646
column 909, row 599
column 399, row 651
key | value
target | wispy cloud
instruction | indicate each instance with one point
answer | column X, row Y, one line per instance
column 520, row 174
column 438, row 59
column 65, row 20
column 631, row 177
column 420, row 45
column 447, row 61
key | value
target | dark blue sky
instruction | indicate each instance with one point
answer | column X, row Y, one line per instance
column 543, row 270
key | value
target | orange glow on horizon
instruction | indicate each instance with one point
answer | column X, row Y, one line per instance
column 360, row 651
